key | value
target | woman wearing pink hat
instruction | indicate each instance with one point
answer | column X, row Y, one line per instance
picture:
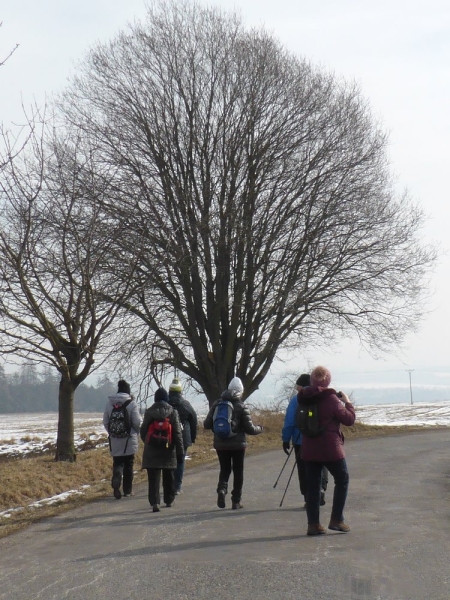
column 326, row 449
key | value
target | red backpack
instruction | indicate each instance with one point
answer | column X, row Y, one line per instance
column 159, row 433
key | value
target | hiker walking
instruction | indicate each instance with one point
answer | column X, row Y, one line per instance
column 291, row 433
column 326, row 449
column 230, row 445
column 188, row 420
column 122, row 421
column 163, row 448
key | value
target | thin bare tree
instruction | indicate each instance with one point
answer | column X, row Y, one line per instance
column 56, row 264
column 256, row 188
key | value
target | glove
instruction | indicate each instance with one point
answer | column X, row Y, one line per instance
column 179, row 458
column 286, row 448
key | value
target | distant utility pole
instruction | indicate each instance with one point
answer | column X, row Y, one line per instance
column 410, row 386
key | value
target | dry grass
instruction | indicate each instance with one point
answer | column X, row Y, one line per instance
column 28, row 480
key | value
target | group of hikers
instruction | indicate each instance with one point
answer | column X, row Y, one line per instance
column 169, row 428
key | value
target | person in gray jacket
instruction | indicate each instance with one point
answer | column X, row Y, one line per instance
column 123, row 449
column 161, row 456
column 231, row 451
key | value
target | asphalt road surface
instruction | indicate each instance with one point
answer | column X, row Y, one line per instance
column 398, row 547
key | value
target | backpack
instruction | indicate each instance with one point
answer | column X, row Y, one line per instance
column 119, row 421
column 307, row 419
column 159, row 433
column 223, row 423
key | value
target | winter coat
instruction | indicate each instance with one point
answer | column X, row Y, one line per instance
column 162, row 458
column 188, row 418
column 123, row 446
column 290, row 430
column 329, row 445
column 243, row 424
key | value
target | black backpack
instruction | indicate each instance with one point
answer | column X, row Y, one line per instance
column 119, row 421
column 307, row 419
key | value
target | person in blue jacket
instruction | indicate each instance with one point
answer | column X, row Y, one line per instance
column 291, row 433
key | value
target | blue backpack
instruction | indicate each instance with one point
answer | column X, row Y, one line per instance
column 223, row 424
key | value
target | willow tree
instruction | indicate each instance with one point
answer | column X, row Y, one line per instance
column 256, row 188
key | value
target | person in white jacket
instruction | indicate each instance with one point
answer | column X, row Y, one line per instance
column 122, row 422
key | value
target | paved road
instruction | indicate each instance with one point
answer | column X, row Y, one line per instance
column 398, row 549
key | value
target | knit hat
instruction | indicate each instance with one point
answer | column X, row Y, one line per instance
column 304, row 380
column 161, row 395
column 235, row 387
column 175, row 386
column 320, row 377
column 123, row 387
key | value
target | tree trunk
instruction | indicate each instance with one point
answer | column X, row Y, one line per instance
column 65, row 446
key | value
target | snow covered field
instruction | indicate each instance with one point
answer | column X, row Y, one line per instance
column 29, row 432
column 25, row 433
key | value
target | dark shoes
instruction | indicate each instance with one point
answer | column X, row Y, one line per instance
column 316, row 529
column 117, row 494
column 221, row 499
column 155, row 508
column 236, row 505
column 169, row 505
column 339, row 526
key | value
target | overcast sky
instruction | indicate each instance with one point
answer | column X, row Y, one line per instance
column 398, row 52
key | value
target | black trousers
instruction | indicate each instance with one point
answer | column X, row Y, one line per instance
column 123, row 467
column 339, row 471
column 154, row 485
column 231, row 460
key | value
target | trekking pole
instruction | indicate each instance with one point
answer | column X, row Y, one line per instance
column 289, row 481
column 282, row 468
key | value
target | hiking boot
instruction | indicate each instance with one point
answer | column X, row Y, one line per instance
column 316, row 529
column 168, row 505
column 155, row 508
column 128, row 494
column 338, row 526
column 322, row 498
column 236, row 505
column 221, row 499
column 117, row 494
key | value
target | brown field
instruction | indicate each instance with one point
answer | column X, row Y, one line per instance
column 28, row 480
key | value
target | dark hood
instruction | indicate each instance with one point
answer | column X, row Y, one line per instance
column 175, row 398
column 312, row 393
column 227, row 395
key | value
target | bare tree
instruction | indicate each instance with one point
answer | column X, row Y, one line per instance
column 56, row 264
column 256, row 188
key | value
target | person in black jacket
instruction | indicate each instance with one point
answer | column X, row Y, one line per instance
column 188, row 420
column 231, row 451
column 159, row 459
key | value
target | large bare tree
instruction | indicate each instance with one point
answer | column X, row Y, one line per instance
column 258, row 191
column 56, row 264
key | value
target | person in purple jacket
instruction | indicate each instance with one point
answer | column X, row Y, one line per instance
column 326, row 450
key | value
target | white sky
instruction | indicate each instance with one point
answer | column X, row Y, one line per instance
column 399, row 53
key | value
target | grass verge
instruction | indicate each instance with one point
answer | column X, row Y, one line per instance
column 28, row 483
